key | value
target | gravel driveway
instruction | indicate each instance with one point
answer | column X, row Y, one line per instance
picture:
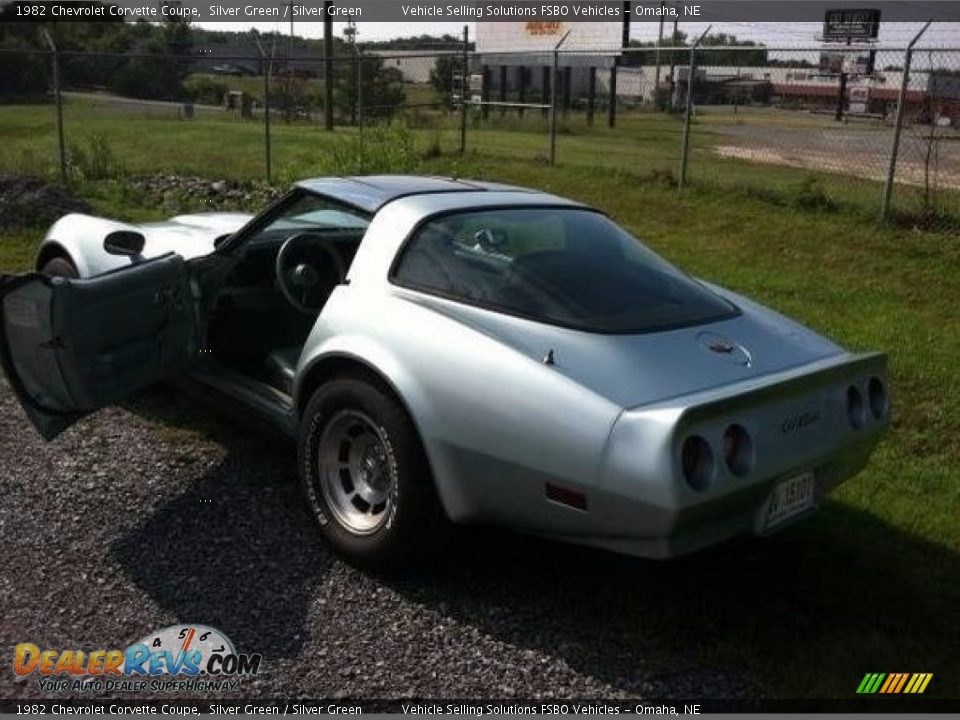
column 119, row 528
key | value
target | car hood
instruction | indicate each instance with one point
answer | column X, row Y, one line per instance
column 632, row 370
column 190, row 235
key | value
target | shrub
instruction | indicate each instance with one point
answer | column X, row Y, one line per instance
column 93, row 159
column 378, row 149
column 811, row 196
column 205, row 90
column 433, row 149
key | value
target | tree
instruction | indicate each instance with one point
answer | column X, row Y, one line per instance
column 416, row 42
column 441, row 75
column 24, row 75
column 751, row 54
column 29, row 74
column 159, row 76
column 748, row 53
column 381, row 87
column 292, row 97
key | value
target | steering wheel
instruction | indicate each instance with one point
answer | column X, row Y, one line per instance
column 308, row 269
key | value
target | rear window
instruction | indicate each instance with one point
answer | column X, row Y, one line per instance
column 564, row 266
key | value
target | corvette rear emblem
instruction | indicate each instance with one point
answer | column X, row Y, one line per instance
column 717, row 344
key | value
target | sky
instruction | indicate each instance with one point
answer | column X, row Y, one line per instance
column 771, row 34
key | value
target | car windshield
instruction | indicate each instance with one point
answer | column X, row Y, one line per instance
column 311, row 213
column 566, row 266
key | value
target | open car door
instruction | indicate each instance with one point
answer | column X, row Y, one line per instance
column 71, row 346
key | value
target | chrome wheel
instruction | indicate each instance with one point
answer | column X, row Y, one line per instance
column 356, row 471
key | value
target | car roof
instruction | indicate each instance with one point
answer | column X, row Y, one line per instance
column 372, row 192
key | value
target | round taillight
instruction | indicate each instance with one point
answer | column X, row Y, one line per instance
column 856, row 413
column 697, row 460
column 877, row 395
column 738, row 450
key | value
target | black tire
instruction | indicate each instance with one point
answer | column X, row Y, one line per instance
column 416, row 518
column 60, row 267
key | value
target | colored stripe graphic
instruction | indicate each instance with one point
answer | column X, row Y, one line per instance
column 903, row 681
column 870, row 683
column 894, row 683
column 885, row 688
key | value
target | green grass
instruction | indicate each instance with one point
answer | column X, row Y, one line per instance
column 871, row 582
column 151, row 139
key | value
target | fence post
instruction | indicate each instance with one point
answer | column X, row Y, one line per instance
column 485, row 92
column 898, row 126
column 58, row 102
column 553, row 98
column 266, row 105
column 685, row 149
column 591, row 95
column 359, row 90
column 612, row 107
column 463, row 91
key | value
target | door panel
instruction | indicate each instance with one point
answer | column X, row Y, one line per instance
column 70, row 346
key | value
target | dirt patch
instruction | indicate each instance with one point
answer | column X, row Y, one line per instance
column 854, row 152
column 907, row 173
column 29, row 201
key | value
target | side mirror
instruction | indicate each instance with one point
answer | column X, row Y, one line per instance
column 124, row 242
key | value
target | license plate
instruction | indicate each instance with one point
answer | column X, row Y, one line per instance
column 790, row 498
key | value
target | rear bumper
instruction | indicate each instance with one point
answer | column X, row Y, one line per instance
column 646, row 530
column 643, row 505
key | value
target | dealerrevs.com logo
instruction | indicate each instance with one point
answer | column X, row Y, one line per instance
column 185, row 658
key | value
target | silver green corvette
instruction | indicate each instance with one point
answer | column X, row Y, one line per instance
column 450, row 350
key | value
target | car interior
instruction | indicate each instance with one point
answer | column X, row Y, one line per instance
column 281, row 275
column 570, row 267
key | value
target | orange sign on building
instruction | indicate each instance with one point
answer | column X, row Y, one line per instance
column 535, row 29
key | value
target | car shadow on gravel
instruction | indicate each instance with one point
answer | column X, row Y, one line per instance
column 237, row 550
column 796, row 615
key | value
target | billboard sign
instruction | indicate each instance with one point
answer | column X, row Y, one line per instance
column 852, row 62
column 851, row 24
column 532, row 43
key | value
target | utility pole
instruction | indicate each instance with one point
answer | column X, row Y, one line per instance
column 327, row 65
column 624, row 43
column 841, row 96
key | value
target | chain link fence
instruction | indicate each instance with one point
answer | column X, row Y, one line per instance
column 869, row 130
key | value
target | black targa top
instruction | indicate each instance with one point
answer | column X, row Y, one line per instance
column 372, row 192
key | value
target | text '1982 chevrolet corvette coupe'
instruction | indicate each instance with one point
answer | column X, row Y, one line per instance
column 463, row 350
